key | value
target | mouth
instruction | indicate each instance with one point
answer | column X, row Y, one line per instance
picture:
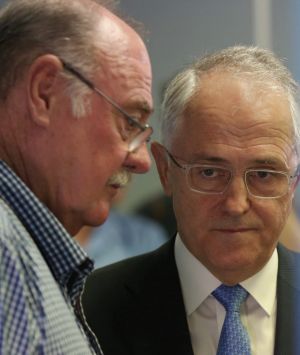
column 116, row 186
column 234, row 230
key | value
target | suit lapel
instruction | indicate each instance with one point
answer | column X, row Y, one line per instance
column 156, row 311
column 288, row 299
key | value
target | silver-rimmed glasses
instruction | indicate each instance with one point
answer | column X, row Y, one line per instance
column 213, row 179
column 138, row 133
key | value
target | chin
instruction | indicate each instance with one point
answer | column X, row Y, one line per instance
column 93, row 216
column 97, row 215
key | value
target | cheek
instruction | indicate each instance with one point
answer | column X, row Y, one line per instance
column 193, row 211
column 95, row 169
column 106, row 153
column 178, row 186
column 274, row 214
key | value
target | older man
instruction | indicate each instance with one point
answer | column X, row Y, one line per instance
column 75, row 95
column 229, row 161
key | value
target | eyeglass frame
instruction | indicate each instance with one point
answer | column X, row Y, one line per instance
column 130, row 120
column 188, row 167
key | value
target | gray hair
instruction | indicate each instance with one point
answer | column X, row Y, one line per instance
column 31, row 28
column 259, row 65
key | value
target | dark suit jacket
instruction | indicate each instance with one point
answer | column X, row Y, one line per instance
column 135, row 307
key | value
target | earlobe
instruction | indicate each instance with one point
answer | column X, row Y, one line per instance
column 162, row 165
column 42, row 78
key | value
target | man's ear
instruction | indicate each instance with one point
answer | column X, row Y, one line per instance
column 162, row 166
column 41, row 87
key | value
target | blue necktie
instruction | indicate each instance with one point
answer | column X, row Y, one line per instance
column 234, row 338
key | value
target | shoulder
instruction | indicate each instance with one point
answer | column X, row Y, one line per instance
column 144, row 264
column 10, row 231
column 289, row 266
column 287, row 256
column 18, row 280
column 109, row 282
column 17, row 250
column 21, row 259
column 130, row 282
column 7, row 219
column 13, row 235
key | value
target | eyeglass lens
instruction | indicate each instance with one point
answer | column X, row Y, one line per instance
column 260, row 183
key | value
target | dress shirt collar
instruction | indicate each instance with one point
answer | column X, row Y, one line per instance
column 198, row 283
column 67, row 261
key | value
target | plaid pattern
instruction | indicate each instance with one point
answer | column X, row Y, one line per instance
column 42, row 274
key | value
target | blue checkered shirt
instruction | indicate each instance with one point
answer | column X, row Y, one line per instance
column 42, row 273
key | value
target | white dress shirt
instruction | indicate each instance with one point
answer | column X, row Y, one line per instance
column 205, row 315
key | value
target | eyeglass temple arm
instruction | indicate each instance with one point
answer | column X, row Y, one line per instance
column 173, row 159
column 76, row 73
column 73, row 71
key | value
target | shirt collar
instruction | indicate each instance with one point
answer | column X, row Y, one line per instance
column 256, row 285
column 67, row 261
column 197, row 282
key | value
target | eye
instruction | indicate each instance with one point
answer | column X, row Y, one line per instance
column 263, row 174
column 129, row 128
column 130, row 121
column 209, row 172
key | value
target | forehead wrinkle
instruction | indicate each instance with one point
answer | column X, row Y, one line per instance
column 236, row 136
column 119, row 67
column 280, row 157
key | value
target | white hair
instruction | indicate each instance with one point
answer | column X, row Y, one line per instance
column 259, row 65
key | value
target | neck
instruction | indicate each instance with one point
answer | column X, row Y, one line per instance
column 83, row 235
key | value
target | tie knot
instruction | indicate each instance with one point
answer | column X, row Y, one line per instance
column 231, row 297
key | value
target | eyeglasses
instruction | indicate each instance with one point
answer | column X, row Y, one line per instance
column 212, row 180
column 137, row 133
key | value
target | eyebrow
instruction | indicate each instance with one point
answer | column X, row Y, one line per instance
column 140, row 105
column 207, row 158
column 268, row 161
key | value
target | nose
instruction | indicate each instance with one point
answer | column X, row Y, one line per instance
column 236, row 198
column 138, row 161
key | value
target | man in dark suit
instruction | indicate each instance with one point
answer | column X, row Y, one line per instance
column 229, row 161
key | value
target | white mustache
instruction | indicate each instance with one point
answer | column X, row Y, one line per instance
column 121, row 178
